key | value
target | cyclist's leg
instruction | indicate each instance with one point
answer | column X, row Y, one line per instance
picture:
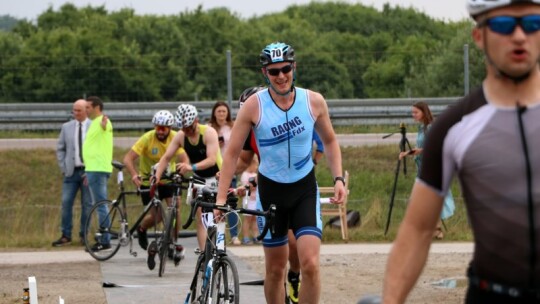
column 276, row 249
column 275, row 264
column 293, row 275
column 201, row 231
column 307, row 226
column 147, row 221
column 294, row 262
column 308, row 253
column 178, row 216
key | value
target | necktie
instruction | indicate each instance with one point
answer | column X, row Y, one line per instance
column 80, row 142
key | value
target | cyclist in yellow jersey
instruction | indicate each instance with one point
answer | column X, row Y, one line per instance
column 202, row 147
column 149, row 149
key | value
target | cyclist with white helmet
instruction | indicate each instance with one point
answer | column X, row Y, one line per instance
column 200, row 142
column 489, row 140
column 283, row 118
column 149, row 148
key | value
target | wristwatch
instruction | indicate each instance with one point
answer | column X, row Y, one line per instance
column 339, row 178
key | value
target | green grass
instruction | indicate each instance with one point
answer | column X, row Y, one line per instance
column 383, row 129
column 30, row 199
column 54, row 134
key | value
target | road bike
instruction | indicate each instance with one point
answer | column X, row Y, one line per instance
column 108, row 226
column 215, row 279
column 167, row 247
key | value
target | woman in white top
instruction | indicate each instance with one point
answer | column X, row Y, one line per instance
column 249, row 181
column 221, row 121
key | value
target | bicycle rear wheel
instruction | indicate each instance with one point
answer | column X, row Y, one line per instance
column 158, row 234
column 225, row 283
column 103, row 233
column 166, row 242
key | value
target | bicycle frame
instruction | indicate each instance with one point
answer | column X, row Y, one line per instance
column 214, row 255
column 118, row 213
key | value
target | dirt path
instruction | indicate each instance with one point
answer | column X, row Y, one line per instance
column 345, row 277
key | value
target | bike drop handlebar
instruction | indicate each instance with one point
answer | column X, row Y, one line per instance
column 230, row 206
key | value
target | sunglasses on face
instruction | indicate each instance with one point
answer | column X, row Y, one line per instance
column 189, row 129
column 275, row 72
column 505, row 25
column 162, row 128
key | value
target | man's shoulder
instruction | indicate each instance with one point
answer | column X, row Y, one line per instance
column 206, row 129
column 69, row 124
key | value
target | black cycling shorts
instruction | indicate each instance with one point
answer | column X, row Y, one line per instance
column 163, row 192
column 297, row 208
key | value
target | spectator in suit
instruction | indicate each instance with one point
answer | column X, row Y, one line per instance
column 70, row 161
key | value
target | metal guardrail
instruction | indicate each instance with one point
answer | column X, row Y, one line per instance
column 138, row 115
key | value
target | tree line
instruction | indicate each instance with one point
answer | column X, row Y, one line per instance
column 343, row 51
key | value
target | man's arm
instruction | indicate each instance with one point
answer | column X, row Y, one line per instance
column 175, row 144
column 319, row 148
column 182, row 158
column 212, row 149
column 244, row 160
column 411, row 247
column 324, row 128
column 129, row 161
column 61, row 150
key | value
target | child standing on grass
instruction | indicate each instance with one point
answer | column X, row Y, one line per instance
column 249, row 181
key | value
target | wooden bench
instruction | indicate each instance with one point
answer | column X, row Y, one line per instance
column 329, row 209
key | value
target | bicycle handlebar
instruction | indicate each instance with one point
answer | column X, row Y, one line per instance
column 230, row 206
column 177, row 181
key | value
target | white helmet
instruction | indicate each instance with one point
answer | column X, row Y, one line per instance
column 163, row 118
column 185, row 115
column 476, row 7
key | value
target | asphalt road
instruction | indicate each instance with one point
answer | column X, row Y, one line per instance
column 345, row 140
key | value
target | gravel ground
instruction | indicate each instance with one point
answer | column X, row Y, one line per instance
column 348, row 272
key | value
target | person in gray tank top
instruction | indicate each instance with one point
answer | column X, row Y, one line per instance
column 489, row 139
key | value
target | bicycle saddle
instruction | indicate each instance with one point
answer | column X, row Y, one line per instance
column 118, row 165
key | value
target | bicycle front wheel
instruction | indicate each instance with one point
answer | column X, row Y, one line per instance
column 198, row 284
column 225, row 283
column 103, row 230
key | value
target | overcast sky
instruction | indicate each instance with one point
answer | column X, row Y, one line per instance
column 447, row 10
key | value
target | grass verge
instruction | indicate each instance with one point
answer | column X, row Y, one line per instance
column 30, row 199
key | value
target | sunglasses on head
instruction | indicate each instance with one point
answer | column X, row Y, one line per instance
column 506, row 25
column 275, row 72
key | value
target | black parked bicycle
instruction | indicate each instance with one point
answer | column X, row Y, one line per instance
column 167, row 248
column 107, row 226
column 216, row 277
